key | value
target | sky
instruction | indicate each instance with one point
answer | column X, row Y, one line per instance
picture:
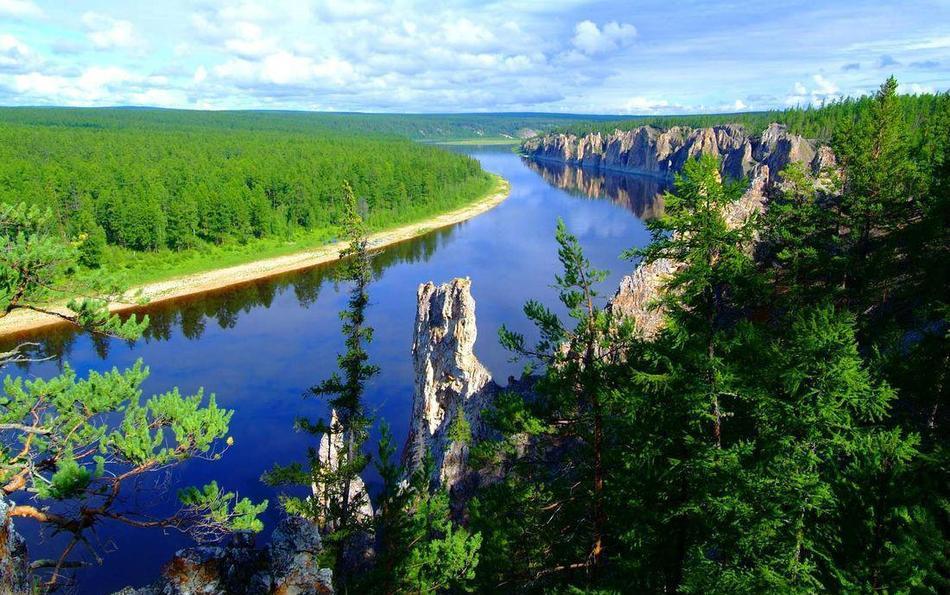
column 574, row 56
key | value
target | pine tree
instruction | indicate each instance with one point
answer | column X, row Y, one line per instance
column 420, row 549
column 337, row 504
column 569, row 416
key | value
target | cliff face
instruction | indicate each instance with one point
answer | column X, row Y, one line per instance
column 648, row 150
column 452, row 386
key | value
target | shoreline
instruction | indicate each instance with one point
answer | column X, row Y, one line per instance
column 24, row 321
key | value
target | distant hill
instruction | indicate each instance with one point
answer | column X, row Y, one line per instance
column 424, row 127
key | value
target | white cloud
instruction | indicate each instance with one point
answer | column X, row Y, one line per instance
column 739, row 105
column 916, row 89
column 823, row 91
column 106, row 32
column 20, row 8
column 97, row 85
column 465, row 33
column 592, row 40
column 824, row 86
column 201, row 73
column 644, row 105
column 15, row 56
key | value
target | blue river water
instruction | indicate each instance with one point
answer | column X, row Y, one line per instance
column 259, row 347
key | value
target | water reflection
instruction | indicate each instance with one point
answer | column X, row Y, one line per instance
column 259, row 346
column 642, row 195
column 223, row 307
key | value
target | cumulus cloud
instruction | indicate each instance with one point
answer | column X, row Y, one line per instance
column 823, row 90
column 644, row 105
column 592, row 40
column 15, row 56
column 106, row 32
column 443, row 56
column 20, row 9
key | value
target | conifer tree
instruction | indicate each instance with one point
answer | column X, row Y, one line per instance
column 69, row 446
column 570, row 412
column 337, row 506
column 420, row 549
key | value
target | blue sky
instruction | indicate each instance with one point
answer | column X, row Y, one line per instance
column 621, row 56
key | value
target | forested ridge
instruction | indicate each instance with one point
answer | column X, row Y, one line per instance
column 423, row 127
column 785, row 431
column 175, row 181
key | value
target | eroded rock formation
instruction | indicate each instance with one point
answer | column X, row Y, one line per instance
column 14, row 563
column 648, row 150
column 451, row 387
column 331, row 445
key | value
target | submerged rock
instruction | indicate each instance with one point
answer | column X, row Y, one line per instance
column 451, row 386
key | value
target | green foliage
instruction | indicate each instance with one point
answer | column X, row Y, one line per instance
column 215, row 178
column 784, row 430
column 460, row 430
column 818, row 122
column 36, row 264
column 420, row 549
column 72, row 444
column 223, row 508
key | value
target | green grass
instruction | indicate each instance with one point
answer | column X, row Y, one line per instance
column 134, row 269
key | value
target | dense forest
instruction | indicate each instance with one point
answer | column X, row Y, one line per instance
column 919, row 114
column 126, row 181
column 785, row 429
column 421, row 127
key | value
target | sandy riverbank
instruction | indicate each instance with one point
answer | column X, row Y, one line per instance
column 22, row 320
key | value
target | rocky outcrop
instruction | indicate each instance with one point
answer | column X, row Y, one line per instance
column 452, row 387
column 649, row 150
column 662, row 153
column 331, row 445
column 288, row 566
column 14, row 563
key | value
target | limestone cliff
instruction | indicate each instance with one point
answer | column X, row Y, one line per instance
column 451, row 386
column 648, row 150
column 14, row 563
column 328, row 454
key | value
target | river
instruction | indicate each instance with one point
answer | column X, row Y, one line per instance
column 259, row 347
